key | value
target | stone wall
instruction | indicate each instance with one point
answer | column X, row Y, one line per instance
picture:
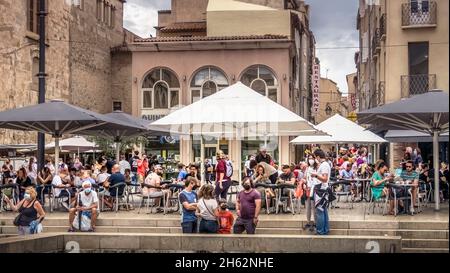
column 90, row 57
column 121, row 80
column 18, row 48
column 78, row 58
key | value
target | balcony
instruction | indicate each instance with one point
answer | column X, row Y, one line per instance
column 380, row 98
column 376, row 43
column 419, row 14
column 417, row 84
column 383, row 27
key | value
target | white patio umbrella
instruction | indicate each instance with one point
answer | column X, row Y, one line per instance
column 77, row 143
column 341, row 131
column 234, row 113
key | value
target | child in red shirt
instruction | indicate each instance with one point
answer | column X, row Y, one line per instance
column 226, row 218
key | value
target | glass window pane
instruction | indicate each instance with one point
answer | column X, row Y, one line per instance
column 259, row 86
column 209, row 88
column 151, row 79
column 249, row 75
column 195, row 95
column 161, row 96
column 147, row 99
column 218, row 77
column 200, row 78
column 273, row 94
column 170, row 78
column 267, row 76
column 174, row 98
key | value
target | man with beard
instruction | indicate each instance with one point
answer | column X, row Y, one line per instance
column 155, row 189
column 248, row 206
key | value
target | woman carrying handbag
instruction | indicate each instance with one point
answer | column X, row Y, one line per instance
column 30, row 211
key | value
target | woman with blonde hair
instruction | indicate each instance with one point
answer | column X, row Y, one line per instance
column 30, row 211
column 207, row 209
column 222, row 181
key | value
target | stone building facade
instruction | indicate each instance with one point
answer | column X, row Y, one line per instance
column 79, row 62
column 403, row 52
column 203, row 46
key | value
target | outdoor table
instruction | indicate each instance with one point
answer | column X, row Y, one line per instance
column 406, row 187
column 363, row 182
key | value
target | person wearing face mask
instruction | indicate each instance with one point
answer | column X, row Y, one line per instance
column 30, row 211
column 153, row 180
column 225, row 218
column 310, row 183
column 87, row 204
column 248, row 206
column 188, row 199
column 321, row 201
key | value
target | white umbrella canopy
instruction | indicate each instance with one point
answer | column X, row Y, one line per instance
column 340, row 130
column 235, row 112
column 77, row 143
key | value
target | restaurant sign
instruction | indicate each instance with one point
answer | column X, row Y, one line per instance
column 315, row 81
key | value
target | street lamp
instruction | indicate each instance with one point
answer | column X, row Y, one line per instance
column 328, row 110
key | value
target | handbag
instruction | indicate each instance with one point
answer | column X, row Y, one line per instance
column 16, row 220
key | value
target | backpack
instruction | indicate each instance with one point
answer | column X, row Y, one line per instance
column 229, row 172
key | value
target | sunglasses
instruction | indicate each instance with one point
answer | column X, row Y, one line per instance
column 410, row 167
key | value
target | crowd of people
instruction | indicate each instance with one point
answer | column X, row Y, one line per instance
column 85, row 188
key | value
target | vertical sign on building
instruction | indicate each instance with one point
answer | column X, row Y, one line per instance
column 353, row 101
column 315, row 88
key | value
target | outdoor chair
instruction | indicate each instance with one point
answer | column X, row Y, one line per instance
column 338, row 188
column 47, row 187
column 283, row 199
column 376, row 203
column 273, row 199
column 118, row 199
column 233, row 190
column 150, row 198
column 173, row 200
column 131, row 191
column 56, row 201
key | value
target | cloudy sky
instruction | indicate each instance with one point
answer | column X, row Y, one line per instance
column 332, row 21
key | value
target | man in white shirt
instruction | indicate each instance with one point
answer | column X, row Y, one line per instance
column 124, row 164
column 87, row 205
column 60, row 185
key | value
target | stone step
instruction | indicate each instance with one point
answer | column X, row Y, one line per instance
column 288, row 223
column 424, row 225
column 421, row 243
column 174, row 243
column 425, row 250
column 410, row 234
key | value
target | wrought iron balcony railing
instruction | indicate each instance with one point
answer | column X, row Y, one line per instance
column 417, row 84
column 419, row 14
column 383, row 26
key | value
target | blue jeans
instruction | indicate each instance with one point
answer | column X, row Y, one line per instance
column 208, row 226
column 322, row 225
column 189, row 227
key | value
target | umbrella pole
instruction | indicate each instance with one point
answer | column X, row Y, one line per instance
column 202, row 159
column 436, row 168
column 57, row 154
column 117, row 152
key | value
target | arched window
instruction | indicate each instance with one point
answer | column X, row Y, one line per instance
column 262, row 80
column 206, row 82
column 160, row 90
